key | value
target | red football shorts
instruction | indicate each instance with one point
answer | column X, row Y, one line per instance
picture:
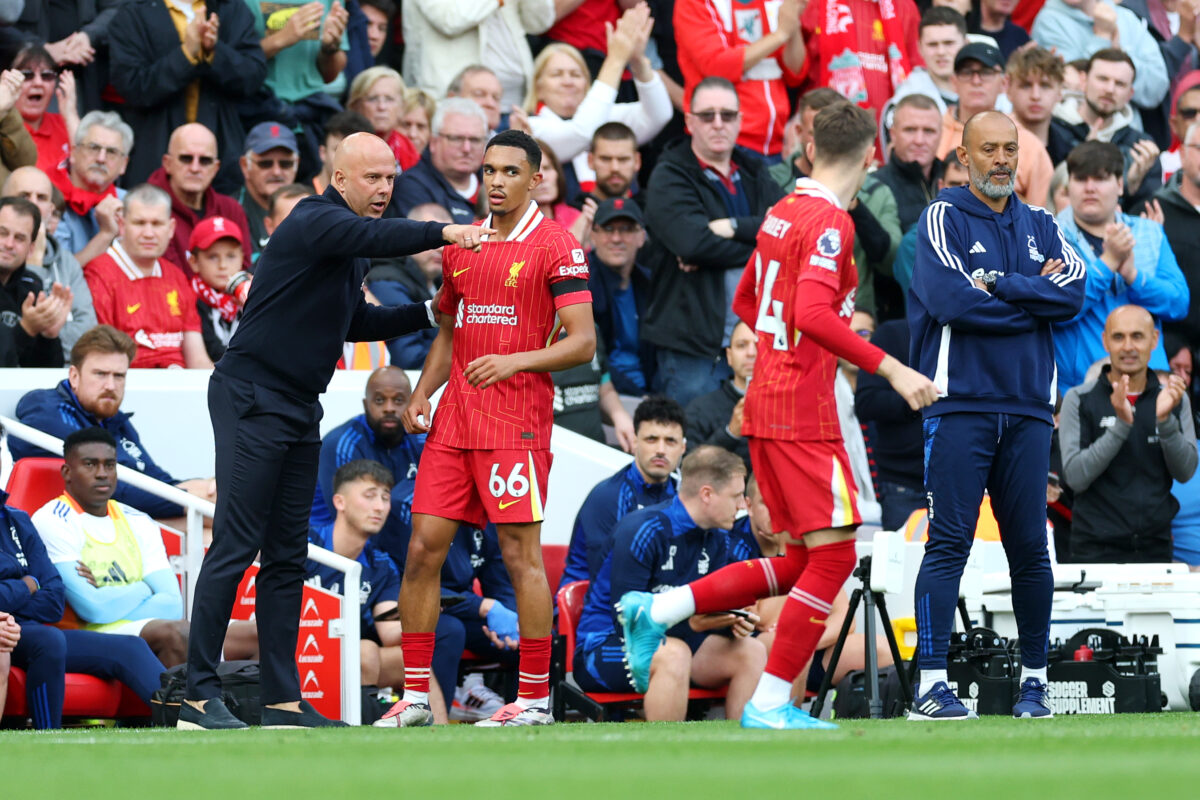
column 807, row 486
column 481, row 486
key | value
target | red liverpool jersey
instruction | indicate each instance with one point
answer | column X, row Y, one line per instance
column 806, row 236
column 154, row 309
column 505, row 300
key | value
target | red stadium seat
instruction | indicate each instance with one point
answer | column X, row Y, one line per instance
column 34, row 482
column 86, row 696
column 554, row 557
column 594, row 705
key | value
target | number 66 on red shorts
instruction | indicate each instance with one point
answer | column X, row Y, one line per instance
column 481, row 486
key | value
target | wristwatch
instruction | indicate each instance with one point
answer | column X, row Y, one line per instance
column 989, row 281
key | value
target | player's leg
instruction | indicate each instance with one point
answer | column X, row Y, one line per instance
column 168, row 639
column 368, row 662
column 521, row 549
column 737, row 661
column 512, row 488
column 419, row 609
column 127, row 659
column 831, row 559
column 42, row 653
column 670, row 676
column 958, row 455
column 1019, row 502
column 444, row 494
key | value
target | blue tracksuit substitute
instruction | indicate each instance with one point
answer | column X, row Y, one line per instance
column 654, row 549
column 351, row 441
column 45, row 652
column 57, row 412
column 380, row 581
column 606, row 505
column 992, row 358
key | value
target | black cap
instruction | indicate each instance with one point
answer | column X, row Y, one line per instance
column 983, row 53
column 618, row 208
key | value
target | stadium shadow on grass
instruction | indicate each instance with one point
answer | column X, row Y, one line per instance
column 1093, row 757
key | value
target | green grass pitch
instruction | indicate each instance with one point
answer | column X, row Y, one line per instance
column 1131, row 756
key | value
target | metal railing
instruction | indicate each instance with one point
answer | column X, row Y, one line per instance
column 192, row 554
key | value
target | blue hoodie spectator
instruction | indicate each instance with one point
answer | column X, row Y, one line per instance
column 351, row 441
column 956, row 327
column 58, row 412
column 1160, row 288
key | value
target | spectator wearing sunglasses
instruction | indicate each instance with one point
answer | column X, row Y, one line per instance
column 180, row 62
column 270, row 163
column 187, row 172
column 51, row 133
column 1185, row 105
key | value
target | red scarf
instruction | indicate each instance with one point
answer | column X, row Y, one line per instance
column 841, row 68
column 214, row 299
column 79, row 199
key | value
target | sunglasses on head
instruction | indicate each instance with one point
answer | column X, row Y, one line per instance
column 48, row 75
column 710, row 115
column 188, row 158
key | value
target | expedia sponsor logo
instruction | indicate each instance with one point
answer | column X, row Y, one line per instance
column 494, row 314
column 572, row 270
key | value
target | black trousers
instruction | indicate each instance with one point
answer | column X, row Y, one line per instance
column 268, row 447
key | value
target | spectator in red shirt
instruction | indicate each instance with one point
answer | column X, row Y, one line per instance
column 187, row 172
column 135, row 290
column 52, row 133
column 863, row 49
column 759, row 52
column 581, row 24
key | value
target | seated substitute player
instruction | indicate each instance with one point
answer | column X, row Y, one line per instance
column 658, row 424
column 798, row 292
column 111, row 556
column 488, row 453
column 362, row 498
column 377, row 434
column 31, row 596
column 666, row 546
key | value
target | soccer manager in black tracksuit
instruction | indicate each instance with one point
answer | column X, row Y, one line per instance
column 306, row 301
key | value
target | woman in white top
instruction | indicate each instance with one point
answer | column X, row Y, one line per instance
column 564, row 112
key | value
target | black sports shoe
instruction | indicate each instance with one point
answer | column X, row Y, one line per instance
column 306, row 717
column 214, row 717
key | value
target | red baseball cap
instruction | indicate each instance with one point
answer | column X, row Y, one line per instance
column 211, row 230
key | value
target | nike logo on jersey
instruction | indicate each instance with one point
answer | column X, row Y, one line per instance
column 978, row 248
column 458, row 272
column 132, row 308
column 503, row 506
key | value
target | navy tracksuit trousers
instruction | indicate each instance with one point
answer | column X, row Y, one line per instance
column 47, row 654
column 1009, row 456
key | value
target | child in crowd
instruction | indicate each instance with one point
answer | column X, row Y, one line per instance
column 220, row 284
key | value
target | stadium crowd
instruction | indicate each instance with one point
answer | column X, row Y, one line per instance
column 150, row 148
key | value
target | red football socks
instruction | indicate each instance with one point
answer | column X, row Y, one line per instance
column 802, row 620
column 746, row 582
column 533, row 671
column 418, row 656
